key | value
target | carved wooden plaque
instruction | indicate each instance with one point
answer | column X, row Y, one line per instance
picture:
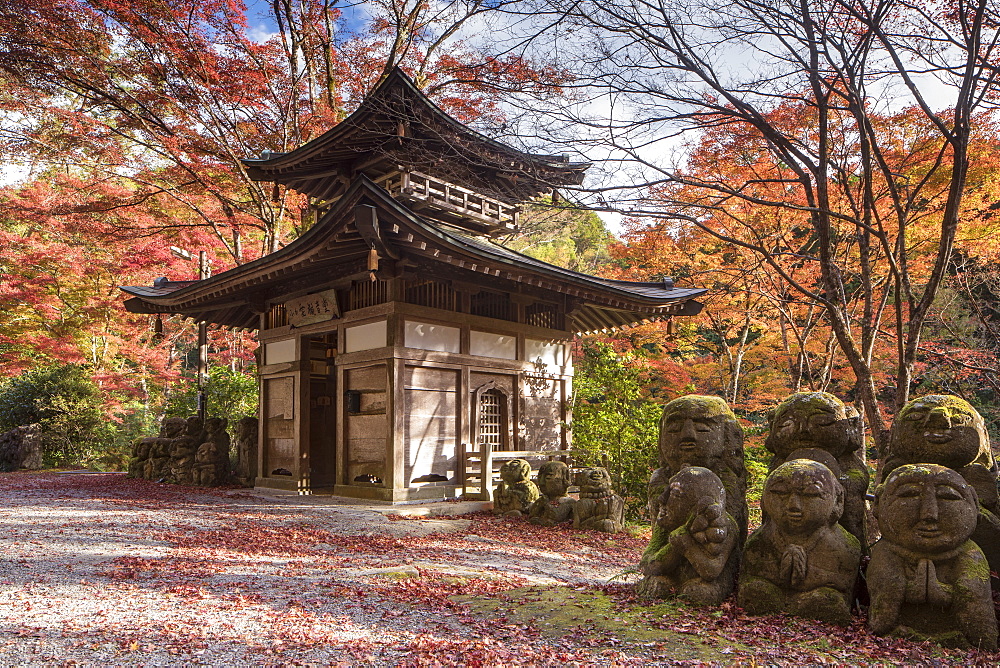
column 317, row 307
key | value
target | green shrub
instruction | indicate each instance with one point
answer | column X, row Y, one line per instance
column 615, row 423
column 229, row 394
column 68, row 405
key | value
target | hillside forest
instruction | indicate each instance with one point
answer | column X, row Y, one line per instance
column 123, row 126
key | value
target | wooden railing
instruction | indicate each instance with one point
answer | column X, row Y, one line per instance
column 480, row 466
column 454, row 202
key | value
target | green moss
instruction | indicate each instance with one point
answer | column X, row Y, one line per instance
column 701, row 405
column 808, row 400
column 558, row 611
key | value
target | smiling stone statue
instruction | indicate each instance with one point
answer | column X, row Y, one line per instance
column 807, row 422
column 800, row 560
column 555, row 505
column 947, row 431
column 692, row 553
column 702, row 431
column 927, row 579
column 599, row 508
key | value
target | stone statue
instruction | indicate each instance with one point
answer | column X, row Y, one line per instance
column 515, row 493
column 702, row 431
column 807, row 422
column 158, row 464
column 182, row 451
column 948, row 431
column 927, row 579
column 554, row 506
column 215, row 431
column 205, row 465
column 246, row 450
column 140, row 455
column 599, row 508
column 692, row 553
column 800, row 560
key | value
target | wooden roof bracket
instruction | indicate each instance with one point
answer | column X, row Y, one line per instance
column 366, row 220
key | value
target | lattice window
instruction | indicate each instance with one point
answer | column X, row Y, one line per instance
column 368, row 293
column 493, row 305
column 492, row 423
column 432, row 294
column 276, row 317
column 543, row 315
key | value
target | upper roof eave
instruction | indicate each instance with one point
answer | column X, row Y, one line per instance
column 265, row 168
column 646, row 295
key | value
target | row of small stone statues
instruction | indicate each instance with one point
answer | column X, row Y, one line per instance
column 188, row 451
column 546, row 500
column 935, row 504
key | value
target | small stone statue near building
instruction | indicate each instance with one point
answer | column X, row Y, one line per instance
column 555, row 506
column 211, row 462
column 807, row 422
column 140, row 455
column 599, row 508
column 246, row 450
column 515, row 493
column 702, row 431
column 158, row 464
column 692, row 553
column 927, row 580
column 800, row 560
column 947, row 431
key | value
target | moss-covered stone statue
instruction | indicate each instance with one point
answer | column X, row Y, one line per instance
column 515, row 493
column 693, row 551
column 807, row 422
column 947, row 431
column 927, row 579
column 702, row 431
column 599, row 508
column 801, row 560
column 158, row 464
column 554, row 506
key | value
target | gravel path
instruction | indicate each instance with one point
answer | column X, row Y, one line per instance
column 99, row 569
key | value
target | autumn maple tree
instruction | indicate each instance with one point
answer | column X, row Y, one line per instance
column 830, row 138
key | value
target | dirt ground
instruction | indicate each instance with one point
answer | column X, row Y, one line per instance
column 99, row 569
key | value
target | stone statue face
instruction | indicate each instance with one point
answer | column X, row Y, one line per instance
column 594, row 479
column 194, row 426
column 514, row 471
column 688, row 488
column 816, row 420
column 802, row 496
column 940, row 429
column 553, row 479
column 926, row 508
column 173, row 427
column 693, row 431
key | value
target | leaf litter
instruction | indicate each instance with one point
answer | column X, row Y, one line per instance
column 105, row 570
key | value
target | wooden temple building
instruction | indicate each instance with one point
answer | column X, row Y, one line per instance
column 400, row 346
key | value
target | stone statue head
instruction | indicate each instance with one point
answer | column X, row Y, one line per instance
column 813, row 420
column 172, row 427
column 246, row 427
column 940, row 429
column 594, row 480
column 216, row 425
column 515, row 471
column 142, row 447
column 699, row 430
column 553, row 479
column 206, row 453
column 926, row 508
column 691, row 488
column 801, row 496
column 194, row 426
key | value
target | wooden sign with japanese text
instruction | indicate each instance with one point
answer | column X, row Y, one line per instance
column 317, row 307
